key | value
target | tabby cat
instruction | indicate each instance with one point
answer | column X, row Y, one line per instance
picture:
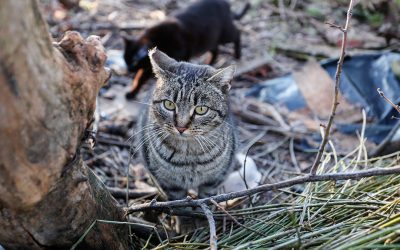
column 188, row 138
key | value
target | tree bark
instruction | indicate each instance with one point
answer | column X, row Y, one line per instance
column 48, row 197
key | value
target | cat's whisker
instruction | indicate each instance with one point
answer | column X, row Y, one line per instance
column 206, row 144
column 230, row 125
column 159, row 137
column 200, row 140
column 201, row 145
column 210, row 143
column 236, row 143
column 213, row 144
column 149, row 104
column 154, row 133
column 148, row 138
column 215, row 137
column 142, row 143
column 148, row 126
column 163, row 139
column 141, row 130
column 154, row 130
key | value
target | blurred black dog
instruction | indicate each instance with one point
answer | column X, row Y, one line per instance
column 199, row 28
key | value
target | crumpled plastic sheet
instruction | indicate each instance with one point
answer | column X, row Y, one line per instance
column 361, row 76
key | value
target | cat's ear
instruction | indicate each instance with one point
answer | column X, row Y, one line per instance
column 161, row 63
column 223, row 77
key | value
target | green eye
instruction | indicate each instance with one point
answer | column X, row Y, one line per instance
column 169, row 105
column 201, row 110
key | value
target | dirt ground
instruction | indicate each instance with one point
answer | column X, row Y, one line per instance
column 278, row 37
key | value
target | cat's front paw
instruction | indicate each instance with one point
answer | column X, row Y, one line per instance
column 184, row 225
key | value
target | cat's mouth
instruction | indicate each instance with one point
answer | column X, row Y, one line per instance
column 181, row 132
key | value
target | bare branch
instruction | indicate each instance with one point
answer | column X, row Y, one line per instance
column 327, row 129
column 211, row 222
column 264, row 188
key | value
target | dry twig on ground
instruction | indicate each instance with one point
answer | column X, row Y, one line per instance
column 264, row 188
column 211, row 222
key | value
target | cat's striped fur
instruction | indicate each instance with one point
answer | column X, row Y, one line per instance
column 202, row 155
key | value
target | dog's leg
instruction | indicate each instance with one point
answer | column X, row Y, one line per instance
column 141, row 77
column 213, row 57
column 237, row 44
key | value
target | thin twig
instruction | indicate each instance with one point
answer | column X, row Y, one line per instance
column 127, row 188
column 334, row 26
column 89, row 229
column 211, row 223
column 392, row 132
column 244, row 167
column 397, row 107
column 327, row 130
column 235, row 220
column 130, row 193
column 293, row 156
column 244, row 172
column 264, row 188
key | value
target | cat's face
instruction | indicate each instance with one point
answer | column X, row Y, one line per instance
column 188, row 99
column 135, row 54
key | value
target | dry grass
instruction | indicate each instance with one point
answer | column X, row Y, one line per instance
column 326, row 215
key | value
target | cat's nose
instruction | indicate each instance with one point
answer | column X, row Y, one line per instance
column 180, row 129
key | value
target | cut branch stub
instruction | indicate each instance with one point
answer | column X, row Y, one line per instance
column 85, row 72
column 47, row 100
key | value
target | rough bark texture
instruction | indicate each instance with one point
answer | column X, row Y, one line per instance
column 48, row 197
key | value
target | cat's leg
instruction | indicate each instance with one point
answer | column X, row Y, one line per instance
column 174, row 192
column 183, row 224
column 213, row 57
column 237, row 45
column 206, row 190
column 209, row 188
column 142, row 75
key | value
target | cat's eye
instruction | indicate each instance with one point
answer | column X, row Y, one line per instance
column 201, row 110
column 169, row 105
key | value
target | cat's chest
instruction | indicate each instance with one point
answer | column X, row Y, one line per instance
column 192, row 149
column 189, row 149
column 188, row 164
column 189, row 176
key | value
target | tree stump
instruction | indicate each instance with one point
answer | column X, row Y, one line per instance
column 48, row 196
